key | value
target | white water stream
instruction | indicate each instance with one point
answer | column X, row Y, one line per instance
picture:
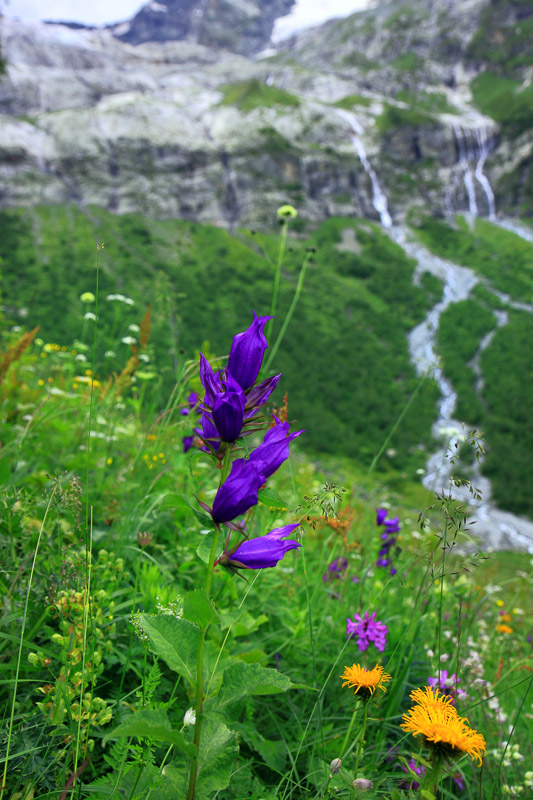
column 496, row 529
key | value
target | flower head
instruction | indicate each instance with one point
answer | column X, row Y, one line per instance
column 239, row 491
column 247, row 351
column 274, row 450
column 365, row 681
column 87, row 297
column 228, row 410
column 436, row 718
column 264, row 551
column 287, row 211
column 367, row 629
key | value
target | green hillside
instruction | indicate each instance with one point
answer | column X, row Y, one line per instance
column 345, row 353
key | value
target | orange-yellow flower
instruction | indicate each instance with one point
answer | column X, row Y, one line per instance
column 364, row 681
column 441, row 726
column 504, row 629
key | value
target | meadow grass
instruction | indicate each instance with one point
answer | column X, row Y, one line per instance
column 107, row 587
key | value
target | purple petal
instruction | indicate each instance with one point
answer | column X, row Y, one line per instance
column 238, row 493
column 247, row 351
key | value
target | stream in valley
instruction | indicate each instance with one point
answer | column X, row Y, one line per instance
column 493, row 527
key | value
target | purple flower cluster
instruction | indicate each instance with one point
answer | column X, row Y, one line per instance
column 367, row 630
column 231, row 400
column 335, row 570
column 448, row 685
column 232, row 397
column 388, row 539
column 421, row 770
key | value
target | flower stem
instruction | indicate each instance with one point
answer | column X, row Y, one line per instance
column 361, row 739
column 348, row 733
column 281, row 253
column 200, row 663
column 290, row 312
column 431, row 779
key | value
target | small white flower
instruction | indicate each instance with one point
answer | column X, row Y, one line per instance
column 189, row 718
column 444, row 657
column 128, row 340
column 134, row 328
column 110, row 354
column 80, row 357
column 89, row 315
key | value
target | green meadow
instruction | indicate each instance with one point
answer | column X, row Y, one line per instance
column 140, row 658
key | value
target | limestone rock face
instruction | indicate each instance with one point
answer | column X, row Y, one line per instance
column 357, row 113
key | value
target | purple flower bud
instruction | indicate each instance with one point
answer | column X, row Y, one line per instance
column 258, row 395
column 274, row 450
column 247, row 351
column 238, row 493
column 210, row 382
column 187, row 443
column 335, row 766
column 228, row 410
column 381, row 515
column 209, row 433
column 265, row 551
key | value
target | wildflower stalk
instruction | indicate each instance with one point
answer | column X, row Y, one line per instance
column 431, row 779
column 361, row 739
column 279, row 262
column 201, row 644
column 21, row 641
column 290, row 312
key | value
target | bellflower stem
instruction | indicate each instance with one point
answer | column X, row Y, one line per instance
column 200, row 657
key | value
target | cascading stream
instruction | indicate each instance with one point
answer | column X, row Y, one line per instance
column 496, row 528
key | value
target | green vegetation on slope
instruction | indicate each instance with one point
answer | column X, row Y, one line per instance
column 461, row 328
column 253, row 93
column 345, row 356
column 505, row 101
column 503, row 39
column 507, row 366
column 502, row 257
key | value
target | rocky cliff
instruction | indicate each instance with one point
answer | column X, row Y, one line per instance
column 177, row 120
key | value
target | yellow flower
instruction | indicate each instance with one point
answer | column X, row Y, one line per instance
column 441, row 726
column 364, row 681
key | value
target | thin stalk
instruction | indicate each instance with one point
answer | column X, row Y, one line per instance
column 361, row 738
column 290, row 312
column 431, row 779
column 348, row 733
column 19, row 656
column 281, row 253
column 200, row 666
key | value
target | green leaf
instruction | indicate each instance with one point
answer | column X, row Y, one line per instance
column 241, row 680
column 216, row 762
column 152, row 723
column 198, row 608
column 175, row 641
column 272, row 499
column 204, row 548
column 427, row 795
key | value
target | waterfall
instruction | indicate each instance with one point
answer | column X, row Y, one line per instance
column 379, row 201
column 474, row 145
column 484, row 152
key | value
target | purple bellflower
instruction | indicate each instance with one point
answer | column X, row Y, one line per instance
column 274, row 450
column 336, row 570
column 258, row 395
column 192, row 403
column 262, row 552
column 247, row 351
column 238, row 493
column 367, row 630
column 228, row 410
column 391, row 526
